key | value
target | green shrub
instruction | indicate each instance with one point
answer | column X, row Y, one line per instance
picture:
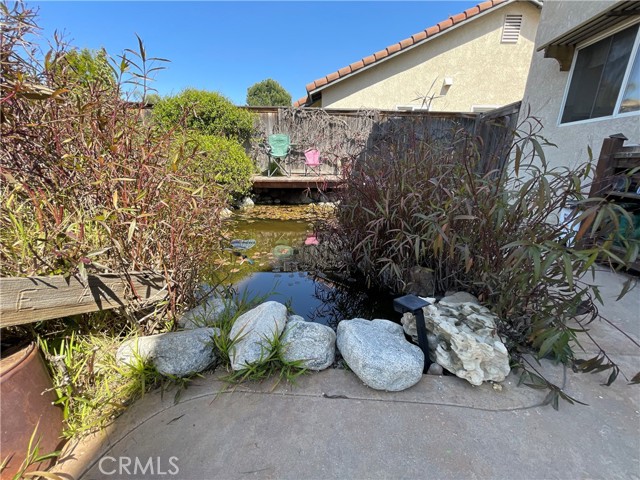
column 491, row 234
column 87, row 185
column 82, row 69
column 221, row 161
column 206, row 112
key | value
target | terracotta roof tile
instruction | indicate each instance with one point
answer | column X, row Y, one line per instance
column 394, row 48
column 460, row 17
column 333, row 76
column 381, row 54
column 485, row 5
column 419, row 36
column 470, row 12
column 406, row 43
column 321, row 81
column 445, row 24
column 300, row 102
column 431, row 31
column 369, row 59
column 356, row 65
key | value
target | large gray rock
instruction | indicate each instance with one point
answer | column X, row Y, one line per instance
column 253, row 330
column 463, row 339
column 207, row 313
column 379, row 355
column 311, row 343
column 174, row 353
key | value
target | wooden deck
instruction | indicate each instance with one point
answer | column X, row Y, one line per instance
column 322, row 182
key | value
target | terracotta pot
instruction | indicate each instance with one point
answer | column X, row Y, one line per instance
column 27, row 398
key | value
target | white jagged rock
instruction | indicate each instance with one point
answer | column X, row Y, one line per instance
column 207, row 313
column 173, row 353
column 247, row 203
column 463, row 339
column 253, row 331
column 377, row 352
column 314, row 344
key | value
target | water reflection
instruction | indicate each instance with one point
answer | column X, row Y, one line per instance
column 278, row 267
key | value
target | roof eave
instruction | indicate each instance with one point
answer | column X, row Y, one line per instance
column 563, row 47
column 537, row 3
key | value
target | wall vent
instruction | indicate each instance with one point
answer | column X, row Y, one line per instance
column 511, row 28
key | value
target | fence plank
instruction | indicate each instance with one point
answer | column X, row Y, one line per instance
column 31, row 299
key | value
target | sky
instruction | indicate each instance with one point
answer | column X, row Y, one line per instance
column 229, row 46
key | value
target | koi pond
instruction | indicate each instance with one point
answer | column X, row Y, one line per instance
column 266, row 257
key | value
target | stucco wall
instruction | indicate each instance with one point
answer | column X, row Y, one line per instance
column 484, row 70
column 546, row 86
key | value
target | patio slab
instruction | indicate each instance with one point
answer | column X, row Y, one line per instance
column 330, row 425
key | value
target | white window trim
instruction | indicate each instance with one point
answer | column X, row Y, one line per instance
column 627, row 74
column 484, row 108
column 412, row 108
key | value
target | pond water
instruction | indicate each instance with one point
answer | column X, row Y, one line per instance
column 274, row 266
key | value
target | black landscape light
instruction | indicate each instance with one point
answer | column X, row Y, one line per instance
column 414, row 304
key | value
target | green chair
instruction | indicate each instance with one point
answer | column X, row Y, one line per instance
column 278, row 150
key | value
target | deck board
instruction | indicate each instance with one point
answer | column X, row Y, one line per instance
column 321, row 182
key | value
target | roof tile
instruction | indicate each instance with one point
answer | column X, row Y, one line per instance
column 445, row 24
column 321, row 81
column 460, row 17
column 394, row 48
column 407, row 42
column 333, row 76
column 418, row 37
column 485, row 5
column 381, row 54
column 432, row 30
column 470, row 12
column 301, row 101
column 356, row 65
column 369, row 59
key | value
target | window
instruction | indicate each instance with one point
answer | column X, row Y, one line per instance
column 605, row 78
column 511, row 28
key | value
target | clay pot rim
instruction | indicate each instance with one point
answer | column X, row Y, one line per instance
column 9, row 364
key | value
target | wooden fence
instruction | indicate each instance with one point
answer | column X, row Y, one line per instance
column 31, row 299
column 345, row 135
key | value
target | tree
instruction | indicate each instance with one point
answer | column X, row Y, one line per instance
column 87, row 67
column 268, row 93
column 206, row 112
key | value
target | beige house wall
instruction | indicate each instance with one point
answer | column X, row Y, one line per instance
column 484, row 70
column 546, row 87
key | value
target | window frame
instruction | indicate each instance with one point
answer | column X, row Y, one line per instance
column 634, row 51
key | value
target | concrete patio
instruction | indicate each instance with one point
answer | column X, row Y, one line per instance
column 329, row 425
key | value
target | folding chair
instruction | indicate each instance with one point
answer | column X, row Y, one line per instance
column 312, row 161
column 278, row 151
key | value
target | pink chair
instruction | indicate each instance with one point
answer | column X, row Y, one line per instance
column 312, row 161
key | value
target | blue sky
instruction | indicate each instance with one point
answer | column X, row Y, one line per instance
column 229, row 46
